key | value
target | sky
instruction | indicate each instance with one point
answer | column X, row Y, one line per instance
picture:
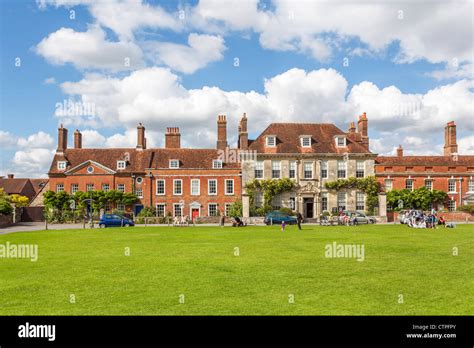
column 104, row 66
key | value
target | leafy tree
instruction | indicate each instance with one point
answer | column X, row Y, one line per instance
column 19, row 200
column 5, row 206
column 235, row 209
column 420, row 198
column 270, row 188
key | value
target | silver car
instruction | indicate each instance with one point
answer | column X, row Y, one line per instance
column 361, row 217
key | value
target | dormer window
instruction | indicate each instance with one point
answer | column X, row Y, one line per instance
column 340, row 141
column 271, row 140
column 61, row 165
column 121, row 164
column 174, row 163
column 216, row 164
column 305, row 141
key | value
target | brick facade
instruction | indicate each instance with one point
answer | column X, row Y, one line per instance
column 451, row 173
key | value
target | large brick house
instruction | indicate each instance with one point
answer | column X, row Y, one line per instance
column 452, row 173
column 311, row 154
column 180, row 181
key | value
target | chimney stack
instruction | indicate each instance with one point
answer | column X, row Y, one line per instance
column 243, row 134
column 141, row 140
column 62, row 139
column 172, row 138
column 221, row 132
column 77, row 139
column 10, row 176
column 363, row 129
column 400, row 151
column 450, row 145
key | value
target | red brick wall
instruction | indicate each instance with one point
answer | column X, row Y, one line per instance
column 456, row 216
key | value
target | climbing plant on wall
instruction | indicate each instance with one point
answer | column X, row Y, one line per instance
column 269, row 187
column 368, row 185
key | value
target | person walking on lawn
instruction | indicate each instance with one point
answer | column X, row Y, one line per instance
column 299, row 220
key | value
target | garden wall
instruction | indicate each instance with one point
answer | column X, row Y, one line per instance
column 456, row 216
column 6, row 220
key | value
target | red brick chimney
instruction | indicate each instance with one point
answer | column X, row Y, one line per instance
column 450, row 145
column 363, row 129
column 77, row 139
column 400, row 151
column 172, row 138
column 243, row 134
column 141, row 140
column 62, row 139
column 221, row 132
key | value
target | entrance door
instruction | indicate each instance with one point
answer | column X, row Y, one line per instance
column 194, row 213
column 308, row 207
column 138, row 209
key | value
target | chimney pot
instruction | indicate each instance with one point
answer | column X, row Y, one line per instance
column 77, row 139
column 450, row 143
column 221, row 132
column 10, row 176
column 172, row 138
column 62, row 139
column 141, row 141
column 400, row 151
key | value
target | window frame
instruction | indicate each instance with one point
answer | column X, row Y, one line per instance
column 302, row 141
column 209, row 187
column 215, row 161
column 174, row 187
column 267, row 142
column 198, row 187
column 164, row 209
column 171, row 161
column 225, row 187
column 62, row 165
column 164, row 187
column 121, row 165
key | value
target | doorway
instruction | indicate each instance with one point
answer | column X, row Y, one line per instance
column 308, row 204
column 194, row 213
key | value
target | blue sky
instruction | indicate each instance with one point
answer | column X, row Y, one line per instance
column 395, row 66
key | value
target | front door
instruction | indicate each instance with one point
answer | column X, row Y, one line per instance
column 308, row 207
column 194, row 213
column 138, row 209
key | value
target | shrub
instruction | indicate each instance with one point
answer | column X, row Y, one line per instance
column 235, row 209
column 287, row 211
column 147, row 212
column 5, row 207
column 466, row 208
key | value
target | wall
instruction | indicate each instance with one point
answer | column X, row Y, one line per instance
column 6, row 220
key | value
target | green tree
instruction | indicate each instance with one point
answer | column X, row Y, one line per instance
column 235, row 209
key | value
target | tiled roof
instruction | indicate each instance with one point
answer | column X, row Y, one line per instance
column 288, row 139
column 425, row 161
column 188, row 158
column 139, row 160
column 12, row 186
column 38, row 184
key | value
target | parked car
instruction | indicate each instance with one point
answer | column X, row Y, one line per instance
column 112, row 220
column 361, row 217
column 276, row 217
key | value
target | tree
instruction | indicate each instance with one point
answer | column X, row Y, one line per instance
column 420, row 198
column 19, row 200
column 5, row 206
column 235, row 209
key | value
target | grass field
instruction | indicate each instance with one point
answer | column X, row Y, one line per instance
column 200, row 263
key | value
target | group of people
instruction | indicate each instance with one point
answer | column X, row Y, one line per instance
column 420, row 219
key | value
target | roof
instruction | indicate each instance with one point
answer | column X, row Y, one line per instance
column 322, row 135
column 189, row 158
column 424, row 161
column 138, row 160
column 14, row 186
column 38, row 184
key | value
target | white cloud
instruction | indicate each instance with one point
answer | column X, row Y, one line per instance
column 7, row 139
column 49, row 81
column 155, row 97
column 37, row 140
column 200, row 51
column 123, row 16
column 32, row 162
column 89, row 50
column 436, row 31
column 466, row 145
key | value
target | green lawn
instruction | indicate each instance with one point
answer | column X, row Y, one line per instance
column 199, row 262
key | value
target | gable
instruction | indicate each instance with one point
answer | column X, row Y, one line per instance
column 84, row 169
